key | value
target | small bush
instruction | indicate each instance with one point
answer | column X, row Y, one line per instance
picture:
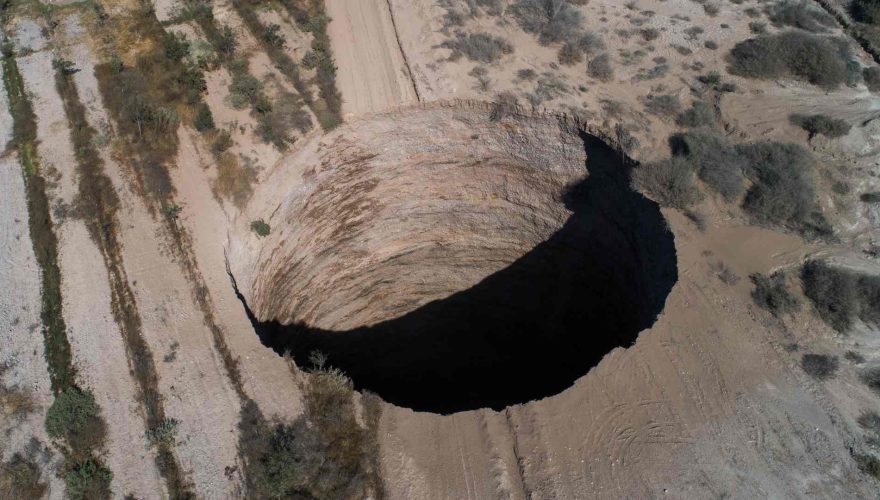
column 272, row 36
column 710, row 44
column 479, row 47
column 75, row 417
column 871, row 378
column 866, row 11
column 820, row 366
column 662, row 105
column 782, row 191
column 854, row 357
column 800, row 14
column 869, row 421
column 222, row 141
column 325, row 453
column 176, row 46
column 260, row 227
column 649, row 34
column 574, row 51
column 226, row 41
column 551, row 20
column 204, row 119
column 871, row 75
column 245, row 89
column 670, row 183
column 868, row 464
column 279, row 119
column 699, row 114
column 771, row 294
column 715, row 160
column 870, row 197
column 600, row 68
column 818, row 60
column 527, row 74
column 840, row 296
column 20, row 477
column 821, row 124
column 163, row 433
column 505, row 104
column 88, row 480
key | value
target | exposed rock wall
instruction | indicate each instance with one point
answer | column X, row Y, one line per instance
column 395, row 210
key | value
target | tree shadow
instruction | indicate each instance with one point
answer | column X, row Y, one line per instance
column 525, row 332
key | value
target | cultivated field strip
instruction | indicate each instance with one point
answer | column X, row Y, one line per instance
column 22, row 351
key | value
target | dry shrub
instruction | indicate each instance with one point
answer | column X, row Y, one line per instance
column 552, row 21
column 821, row 61
column 670, row 183
column 781, row 191
column 841, row 296
column 600, row 67
column 800, row 14
column 821, row 124
column 820, row 366
column 20, row 478
column 771, row 293
column 479, row 47
column 234, row 182
column 699, row 114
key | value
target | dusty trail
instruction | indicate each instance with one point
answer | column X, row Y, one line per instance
column 372, row 74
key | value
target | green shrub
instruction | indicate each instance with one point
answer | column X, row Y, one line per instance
column 204, row 119
column 245, row 89
column 226, row 41
column 163, row 433
column 670, row 182
column 176, row 46
column 771, row 294
column 272, row 36
column 873, row 197
column 800, row 14
column 326, row 453
column 820, row 366
column 76, row 418
column 551, row 20
column 818, row 60
column 88, row 480
column 821, row 124
column 479, row 47
column 260, row 227
column 699, row 114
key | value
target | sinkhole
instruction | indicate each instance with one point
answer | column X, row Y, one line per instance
column 493, row 263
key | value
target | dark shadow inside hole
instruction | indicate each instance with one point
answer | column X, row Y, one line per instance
column 527, row 331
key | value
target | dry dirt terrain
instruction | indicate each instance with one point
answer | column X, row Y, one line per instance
column 418, row 249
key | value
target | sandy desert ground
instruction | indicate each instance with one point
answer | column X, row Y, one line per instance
column 368, row 163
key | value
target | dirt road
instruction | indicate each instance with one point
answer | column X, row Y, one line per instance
column 372, row 73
